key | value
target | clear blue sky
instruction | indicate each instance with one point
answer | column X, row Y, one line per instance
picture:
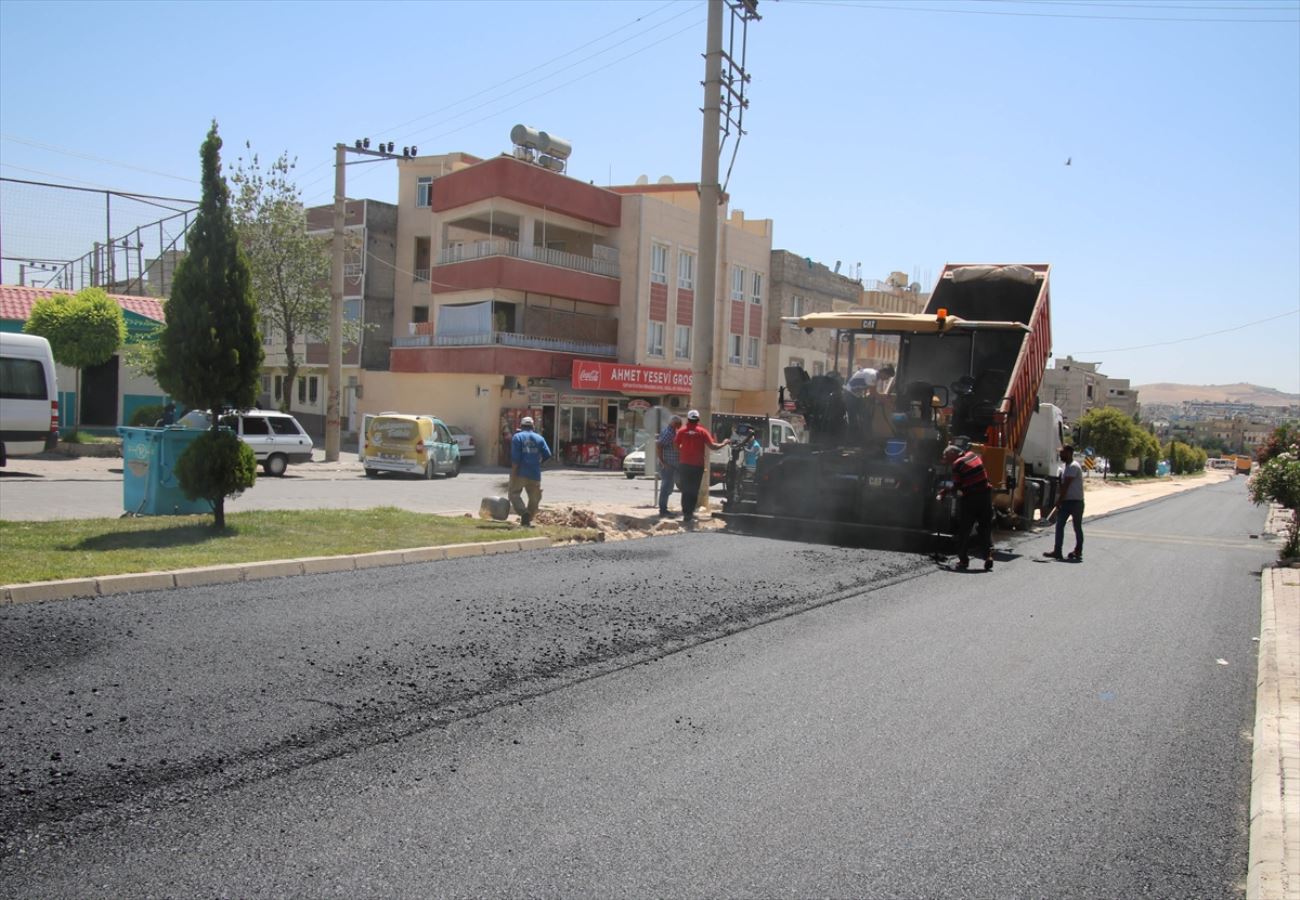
column 898, row 134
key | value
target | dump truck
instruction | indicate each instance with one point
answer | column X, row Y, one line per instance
column 969, row 370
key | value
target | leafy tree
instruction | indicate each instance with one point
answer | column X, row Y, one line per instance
column 1111, row 433
column 290, row 269
column 1147, row 449
column 1285, row 435
column 84, row 329
column 1278, row 481
column 1185, row 459
column 210, row 351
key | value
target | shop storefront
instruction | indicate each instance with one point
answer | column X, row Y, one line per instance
column 602, row 413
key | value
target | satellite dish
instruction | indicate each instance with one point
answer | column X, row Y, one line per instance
column 665, row 179
column 642, row 179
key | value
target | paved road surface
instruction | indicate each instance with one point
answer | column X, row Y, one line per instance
column 63, row 488
column 551, row 723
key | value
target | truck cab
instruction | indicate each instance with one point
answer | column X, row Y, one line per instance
column 772, row 433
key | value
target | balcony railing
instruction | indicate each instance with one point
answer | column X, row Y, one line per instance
column 507, row 339
column 606, row 264
column 422, row 274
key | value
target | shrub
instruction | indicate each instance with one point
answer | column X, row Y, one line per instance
column 1278, row 481
column 145, row 416
column 216, row 465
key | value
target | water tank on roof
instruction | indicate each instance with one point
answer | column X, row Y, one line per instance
column 541, row 141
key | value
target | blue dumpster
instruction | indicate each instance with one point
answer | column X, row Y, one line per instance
column 149, row 485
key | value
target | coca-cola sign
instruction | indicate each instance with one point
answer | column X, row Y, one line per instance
column 630, row 379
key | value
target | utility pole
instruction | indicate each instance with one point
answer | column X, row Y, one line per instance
column 333, row 410
column 704, row 388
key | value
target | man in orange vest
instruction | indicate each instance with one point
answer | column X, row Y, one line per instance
column 974, row 503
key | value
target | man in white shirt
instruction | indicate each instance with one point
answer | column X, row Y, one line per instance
column 1069, row 505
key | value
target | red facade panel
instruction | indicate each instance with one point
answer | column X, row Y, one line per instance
column 524, row 275
column 658, row 302
column 482, row 360
column 685, row 307
column 737, row 317
column 529, row 184
column 755, row 320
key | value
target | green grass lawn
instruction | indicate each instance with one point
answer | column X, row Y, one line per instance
column 81, row 548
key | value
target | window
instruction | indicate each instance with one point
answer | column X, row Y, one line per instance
column 733, row 349
column 819, row 368
column 266, row 384
column 737, row 284
column 302, row 390
column 682, row 346
column 658, row 264
column 351, row 310
column 424, row 190
column 312, row 382
column 22, row 379
column 796, row 361
column 757, row 296
column 285, row 426
column 279, row 388
column 796, row 308
column 753, row 352
column 686, row 271
column 256, row 425
column 419, row 313
column 654, row 345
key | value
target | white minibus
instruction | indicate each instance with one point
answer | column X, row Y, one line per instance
column 29, row 396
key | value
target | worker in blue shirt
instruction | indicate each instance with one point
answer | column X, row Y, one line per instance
column 528, row 450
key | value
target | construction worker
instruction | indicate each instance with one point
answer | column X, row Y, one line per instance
column 693, row 443
column 974, row 503
column 528, row 450
column 1069, row 505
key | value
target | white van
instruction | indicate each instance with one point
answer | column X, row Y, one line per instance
column 29, row 396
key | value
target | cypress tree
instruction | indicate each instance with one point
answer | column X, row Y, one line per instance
column 210, row 350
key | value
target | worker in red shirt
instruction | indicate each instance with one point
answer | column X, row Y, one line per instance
column 974, row 503
column 693, row 442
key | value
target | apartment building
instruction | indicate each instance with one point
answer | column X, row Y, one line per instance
column 1077, row 387
column 370, row 235
column 799, row 287
column 520, row 290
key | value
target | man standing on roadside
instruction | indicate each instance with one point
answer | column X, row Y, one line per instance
column 528, row 450
column 1069, row 505
column 974, row 503
column 666, row 453
column 693, row 444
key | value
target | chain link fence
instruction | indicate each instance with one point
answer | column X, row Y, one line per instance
column 66, row 237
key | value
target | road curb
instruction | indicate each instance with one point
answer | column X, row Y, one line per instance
column 106, row 585
column 1273, row 871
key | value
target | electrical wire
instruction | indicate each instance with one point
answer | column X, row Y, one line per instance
column 1035, row 15
column 1193, row 338
column 100, row 159
column 516, row 77
column 530, row 99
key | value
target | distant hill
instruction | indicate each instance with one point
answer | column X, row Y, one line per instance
column 1165, row 392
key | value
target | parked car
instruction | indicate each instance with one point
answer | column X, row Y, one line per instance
column 276, row 438
column 465, row 440
column 414, row 444
column 634, row 462
column 29, row 396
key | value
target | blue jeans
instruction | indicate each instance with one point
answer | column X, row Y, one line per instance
column 666, row 479
column 1070, row 509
